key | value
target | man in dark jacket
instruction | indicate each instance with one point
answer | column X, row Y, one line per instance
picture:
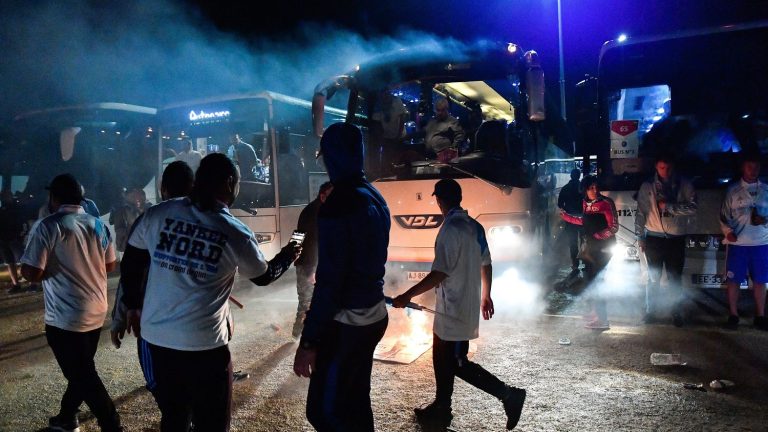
column 306, row 265
column 569, row 201
column 348, row 316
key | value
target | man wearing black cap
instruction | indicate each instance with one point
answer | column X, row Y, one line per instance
column 347, row 317
column 462, row 265
column 71, row 252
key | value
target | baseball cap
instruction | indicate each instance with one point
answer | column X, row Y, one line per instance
column 448, row 189
column 66, row 188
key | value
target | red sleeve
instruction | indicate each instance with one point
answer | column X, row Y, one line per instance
column 576, row 220
column 611, row 216
column 571, row 219
column 608, row 209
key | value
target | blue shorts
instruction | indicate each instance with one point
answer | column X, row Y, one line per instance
column 743, row 260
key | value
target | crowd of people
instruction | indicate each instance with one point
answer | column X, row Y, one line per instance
column 665, row 204
column 180, row 258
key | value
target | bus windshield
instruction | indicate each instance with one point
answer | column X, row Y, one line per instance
column 450, row 114
column 675, row 96
column 406, row 140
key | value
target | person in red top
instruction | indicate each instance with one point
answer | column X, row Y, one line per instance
column 600, row 224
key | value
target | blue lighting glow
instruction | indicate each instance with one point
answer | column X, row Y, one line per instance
column 622, row 38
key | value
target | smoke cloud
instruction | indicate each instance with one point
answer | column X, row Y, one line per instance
column 155, row 53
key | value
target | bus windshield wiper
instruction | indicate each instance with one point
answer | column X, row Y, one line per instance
column 506, row 190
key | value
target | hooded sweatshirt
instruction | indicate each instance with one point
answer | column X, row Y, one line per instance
column 353, row 235
column 680, row 197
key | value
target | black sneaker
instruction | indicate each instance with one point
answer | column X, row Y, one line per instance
column 513, row 406
column 240, row 376
column 677, row 319
column 15, row 289
column 732, row 323
column 61, row 424
column 761, row 323
column 433, row 413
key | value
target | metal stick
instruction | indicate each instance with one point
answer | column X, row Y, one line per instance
column 236, row 302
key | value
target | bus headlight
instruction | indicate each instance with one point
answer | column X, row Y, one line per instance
column 508, row 235
column 263, row 238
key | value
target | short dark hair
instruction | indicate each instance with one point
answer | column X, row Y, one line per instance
column 665, row 157
column 66, row 189
column 588, row 181
column 324, row 187
column 750, row 156
column 575, row 174
column 213, row 173
column 178, row 179
column 449, row 192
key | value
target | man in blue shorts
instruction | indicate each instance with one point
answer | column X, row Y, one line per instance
column 744, row 219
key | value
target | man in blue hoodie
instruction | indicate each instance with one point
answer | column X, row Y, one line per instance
column 348, row 316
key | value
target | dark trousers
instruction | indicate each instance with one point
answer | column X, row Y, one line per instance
column 598, row 257
column 572, row 235
column 664, row 252
column 192, row 384
column 74, row 351
column 145, row 361
column 449, row 359
column 339, row 397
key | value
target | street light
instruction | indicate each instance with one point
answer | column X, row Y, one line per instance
column 562, row 67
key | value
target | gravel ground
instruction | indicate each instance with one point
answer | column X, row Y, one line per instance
column 601, row 382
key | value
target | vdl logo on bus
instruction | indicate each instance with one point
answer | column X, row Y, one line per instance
column 419, row 221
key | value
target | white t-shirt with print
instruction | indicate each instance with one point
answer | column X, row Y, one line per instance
column 461, row 250
column 194, row 257
column 73, row 248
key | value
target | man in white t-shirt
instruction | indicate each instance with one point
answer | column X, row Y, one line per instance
column 462, row 264
column 190, row 249
column 71, row 252
column 744, row 222
column 191, row 156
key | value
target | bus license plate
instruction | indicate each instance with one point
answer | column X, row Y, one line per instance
column 707, row 279
column 417, row 275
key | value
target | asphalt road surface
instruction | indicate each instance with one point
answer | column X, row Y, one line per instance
column 602, row 381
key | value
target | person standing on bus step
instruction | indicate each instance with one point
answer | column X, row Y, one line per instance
column 600, row 222
column 177, row 181
column 71, row 252
column 664, row 204
column 744, row 222
column 348, row 316
column 306, row 265
column 189, row 155
column 190, row 249
column 569, row 200
column 462, row 274
column 444, row 134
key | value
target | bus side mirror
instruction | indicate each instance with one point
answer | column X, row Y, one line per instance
column 67, row 142
column 318, row 112
column 534, row 85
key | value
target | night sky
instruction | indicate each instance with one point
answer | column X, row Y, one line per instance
column 154, row 53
